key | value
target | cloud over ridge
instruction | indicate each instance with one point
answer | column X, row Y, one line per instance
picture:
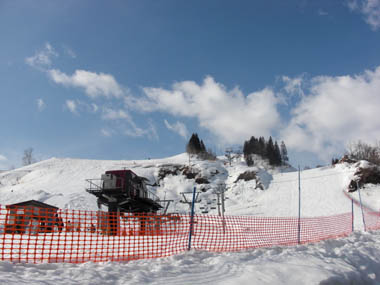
column 335, row 111
column 228, row 115
column 178, row 127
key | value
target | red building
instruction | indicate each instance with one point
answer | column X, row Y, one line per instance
column 32, row 217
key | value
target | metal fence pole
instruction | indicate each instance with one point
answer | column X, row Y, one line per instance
column 224, row 221
column 352, row 213
column 361, row 206
column 299, row 205
column 191, row 219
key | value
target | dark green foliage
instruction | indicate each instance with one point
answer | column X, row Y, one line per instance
column 266, row 149
column 277, row 154
column 269, row 152
column 249, row 160
column 284, row 153
column 197, row 147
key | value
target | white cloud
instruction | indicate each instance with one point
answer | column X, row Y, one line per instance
column 353, row 5
column 3, row 158
column 111, row 114
column 72, row 106
column 95, row 107
column 128, row 126
column 40, row 104
column 68, row 51
column 294, row 86
column 134, row 131
column 42, row 58
column 229, row 115
column 369, row 8
column 106, row 132
column 322, row 12
column 337, row 110
column 94, row 84
column 178, row 127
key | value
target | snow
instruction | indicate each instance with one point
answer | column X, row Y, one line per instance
column 351, row 260
column 61, row 182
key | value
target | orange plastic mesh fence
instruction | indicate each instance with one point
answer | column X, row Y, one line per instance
column 372, row 219
column 32, row 234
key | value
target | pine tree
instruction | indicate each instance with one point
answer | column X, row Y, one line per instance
column 249, row 160
column 202, row 146
column 194, row 145
column 270, row 152
column 284, row 153
column 245, row 148
column 277, row 154
column 266, row 149
column 262, row 147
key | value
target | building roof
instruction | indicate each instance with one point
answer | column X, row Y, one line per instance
column 32, row 203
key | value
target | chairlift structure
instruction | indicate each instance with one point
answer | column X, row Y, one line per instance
column 122, row 191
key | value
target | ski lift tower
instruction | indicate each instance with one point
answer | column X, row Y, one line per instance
column 123, row 191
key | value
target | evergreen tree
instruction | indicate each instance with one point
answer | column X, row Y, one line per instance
column 284, row 153
column 202, row 146
column 266, row 149
column 245, row 149
column 270, row 152
column 249, row 160
column 262, row 147
column 277, row 154
column 194, row 145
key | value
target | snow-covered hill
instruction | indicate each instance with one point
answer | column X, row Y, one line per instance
column 272, row 192
column 61, row 182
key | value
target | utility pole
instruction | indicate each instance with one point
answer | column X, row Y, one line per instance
column 361, row 205
column 193, row 201
column 219, row 192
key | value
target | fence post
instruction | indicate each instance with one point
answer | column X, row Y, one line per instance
column 299, row 205
column 361, row 205
column 352, row 213
column 224, row 221
column 191, row 218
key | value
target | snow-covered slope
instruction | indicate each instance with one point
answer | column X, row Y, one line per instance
column 62, row 182
column 351, row 260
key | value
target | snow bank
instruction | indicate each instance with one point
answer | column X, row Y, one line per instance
column 351, row 260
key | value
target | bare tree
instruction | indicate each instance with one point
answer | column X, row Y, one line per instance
column 362, row 151
column 28, row 156
column 228, row 154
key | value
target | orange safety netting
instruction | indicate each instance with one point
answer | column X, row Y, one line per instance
column 372, row 219
column 33, row 234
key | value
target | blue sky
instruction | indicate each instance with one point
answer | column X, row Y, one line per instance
column 134, row 79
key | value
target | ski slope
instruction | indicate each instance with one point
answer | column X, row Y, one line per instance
column 61, row 182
